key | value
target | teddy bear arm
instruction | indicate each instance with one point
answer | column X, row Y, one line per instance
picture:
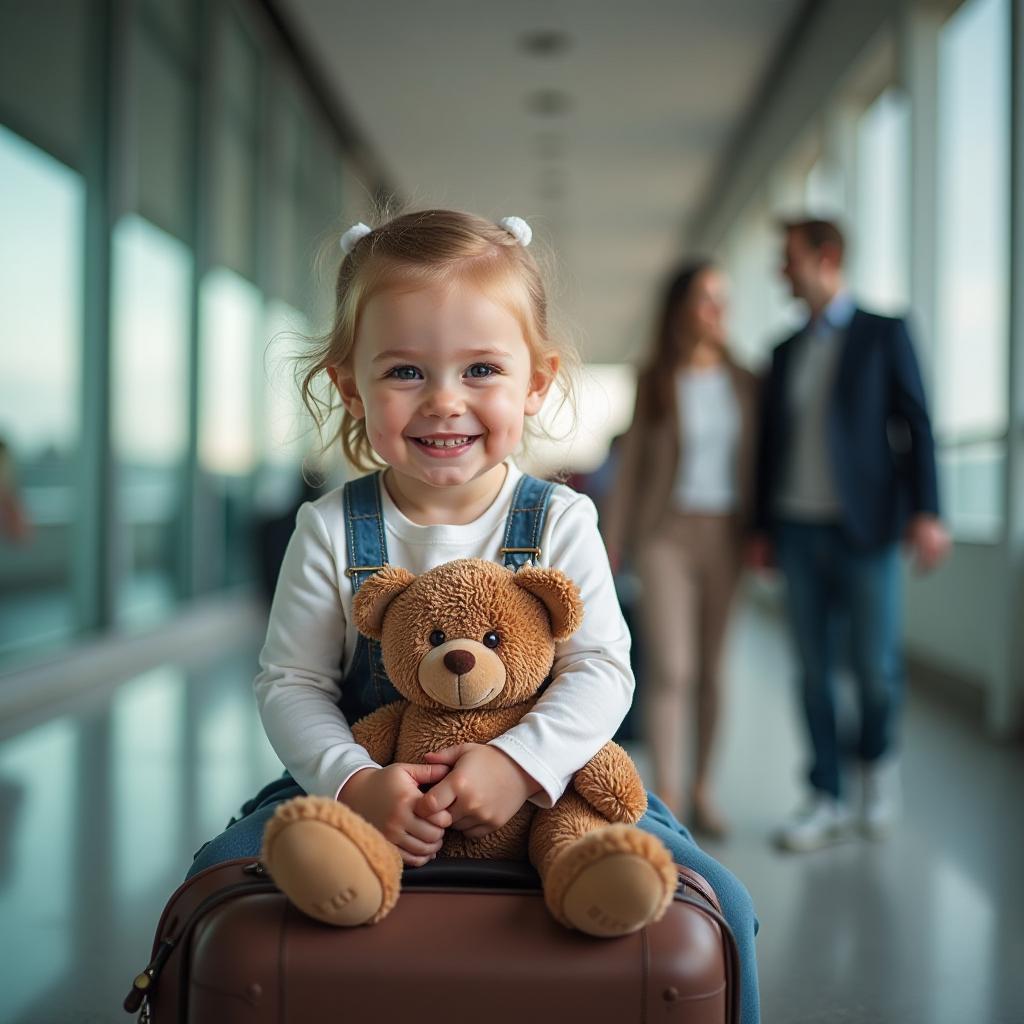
column 610, row 783
column 378, row 731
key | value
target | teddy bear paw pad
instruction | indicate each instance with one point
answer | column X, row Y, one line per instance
column 614, row 896
column 325, row 874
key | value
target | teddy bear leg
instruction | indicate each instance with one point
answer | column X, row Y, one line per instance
column 330, row 862
column 605, row 880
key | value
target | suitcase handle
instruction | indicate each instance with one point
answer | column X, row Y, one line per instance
column 472, row 873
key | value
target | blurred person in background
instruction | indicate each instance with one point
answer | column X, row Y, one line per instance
column 846, row 467
column 15, row 526
column 678, row 512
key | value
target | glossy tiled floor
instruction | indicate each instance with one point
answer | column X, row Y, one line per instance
column 102, row 806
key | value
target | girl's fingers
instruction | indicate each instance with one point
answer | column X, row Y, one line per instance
column 416, row 847
column 465, row 823
column 424, row 831
column 442, row 819
column 414, row 862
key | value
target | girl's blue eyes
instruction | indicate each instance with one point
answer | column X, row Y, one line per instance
column 478, row 371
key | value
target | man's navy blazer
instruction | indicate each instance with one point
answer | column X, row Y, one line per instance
column 879, row 438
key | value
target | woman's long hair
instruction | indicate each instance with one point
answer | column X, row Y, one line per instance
column 671, row 349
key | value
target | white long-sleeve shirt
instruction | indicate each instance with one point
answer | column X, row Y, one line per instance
column 310, row 636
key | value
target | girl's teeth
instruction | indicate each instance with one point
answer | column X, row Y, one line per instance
column 450, row 442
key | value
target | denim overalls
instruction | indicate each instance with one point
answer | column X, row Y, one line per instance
column 366, row 687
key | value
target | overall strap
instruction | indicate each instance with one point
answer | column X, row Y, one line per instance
column 366, row 686
column 364, row 529
column 525, row 524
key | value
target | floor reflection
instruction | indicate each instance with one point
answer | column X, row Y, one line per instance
column 102, row 808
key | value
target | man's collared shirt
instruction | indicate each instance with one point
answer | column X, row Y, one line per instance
column 807, row 492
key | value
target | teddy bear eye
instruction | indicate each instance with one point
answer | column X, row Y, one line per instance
column 491, row 639
column 436, row 638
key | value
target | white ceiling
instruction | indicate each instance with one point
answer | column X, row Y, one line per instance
column 441, row 91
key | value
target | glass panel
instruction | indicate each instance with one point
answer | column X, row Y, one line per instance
column 287, row 429
column 974, row 161
column 973, row 478
column 231, row 316
column 152, row 277
column 42, row 209
column 881, row 267
column 823, row 190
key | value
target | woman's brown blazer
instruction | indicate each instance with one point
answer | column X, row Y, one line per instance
column 646, row 466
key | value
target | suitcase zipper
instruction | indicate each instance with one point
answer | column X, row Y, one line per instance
column 137, row 998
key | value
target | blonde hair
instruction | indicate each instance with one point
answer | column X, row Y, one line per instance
column 422, row 249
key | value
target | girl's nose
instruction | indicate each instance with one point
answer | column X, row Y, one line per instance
column 443, row 400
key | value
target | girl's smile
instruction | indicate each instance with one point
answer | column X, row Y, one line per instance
column 445, row 446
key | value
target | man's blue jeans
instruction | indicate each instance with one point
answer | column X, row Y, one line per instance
column 831, row 584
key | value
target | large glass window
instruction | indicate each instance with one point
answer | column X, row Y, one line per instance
column 231, row 317
column 42, row 209
column 973, row 261
column 880, row 257
column 152, row 280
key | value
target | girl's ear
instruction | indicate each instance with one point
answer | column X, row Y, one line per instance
column 560, row 595
column 344, row 380
column 543, row 376
column 374, row 597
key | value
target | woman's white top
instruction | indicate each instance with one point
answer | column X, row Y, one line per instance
column 310, row 636
column 709, row 424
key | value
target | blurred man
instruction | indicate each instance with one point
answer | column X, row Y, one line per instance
column 846, row 469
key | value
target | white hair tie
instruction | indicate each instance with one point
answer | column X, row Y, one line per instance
column 518, row 229
column 354, row 233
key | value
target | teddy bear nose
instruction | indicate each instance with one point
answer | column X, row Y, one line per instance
column 459, row 662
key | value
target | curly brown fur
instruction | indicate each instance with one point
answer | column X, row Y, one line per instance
column 610, row 783
column 560, row 595
column 378, row 732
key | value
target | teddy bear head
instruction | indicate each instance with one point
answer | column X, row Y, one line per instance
column 468, row 634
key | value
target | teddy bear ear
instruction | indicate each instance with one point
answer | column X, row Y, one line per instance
column 560, row 595
column 374, row 596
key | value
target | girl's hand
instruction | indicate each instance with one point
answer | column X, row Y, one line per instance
column 386, row 797
column 483, row 791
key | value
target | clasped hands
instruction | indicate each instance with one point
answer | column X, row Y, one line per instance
column 475, row 789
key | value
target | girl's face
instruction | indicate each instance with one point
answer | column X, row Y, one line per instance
column 444, row 379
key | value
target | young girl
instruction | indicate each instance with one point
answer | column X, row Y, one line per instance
column 439, row 354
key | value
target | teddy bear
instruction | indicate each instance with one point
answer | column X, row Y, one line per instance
column 469, row 645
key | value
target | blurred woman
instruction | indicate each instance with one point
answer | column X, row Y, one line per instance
column 678, row 514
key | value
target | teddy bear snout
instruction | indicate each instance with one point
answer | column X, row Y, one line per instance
column 461, row 674
column 459, row 662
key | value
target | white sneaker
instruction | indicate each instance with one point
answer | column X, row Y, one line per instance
column 821, row 821
column 881, row 797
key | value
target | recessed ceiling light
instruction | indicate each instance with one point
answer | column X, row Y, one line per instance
column 545, row 42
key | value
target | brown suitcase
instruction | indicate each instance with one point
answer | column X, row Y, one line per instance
column 469, row 940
